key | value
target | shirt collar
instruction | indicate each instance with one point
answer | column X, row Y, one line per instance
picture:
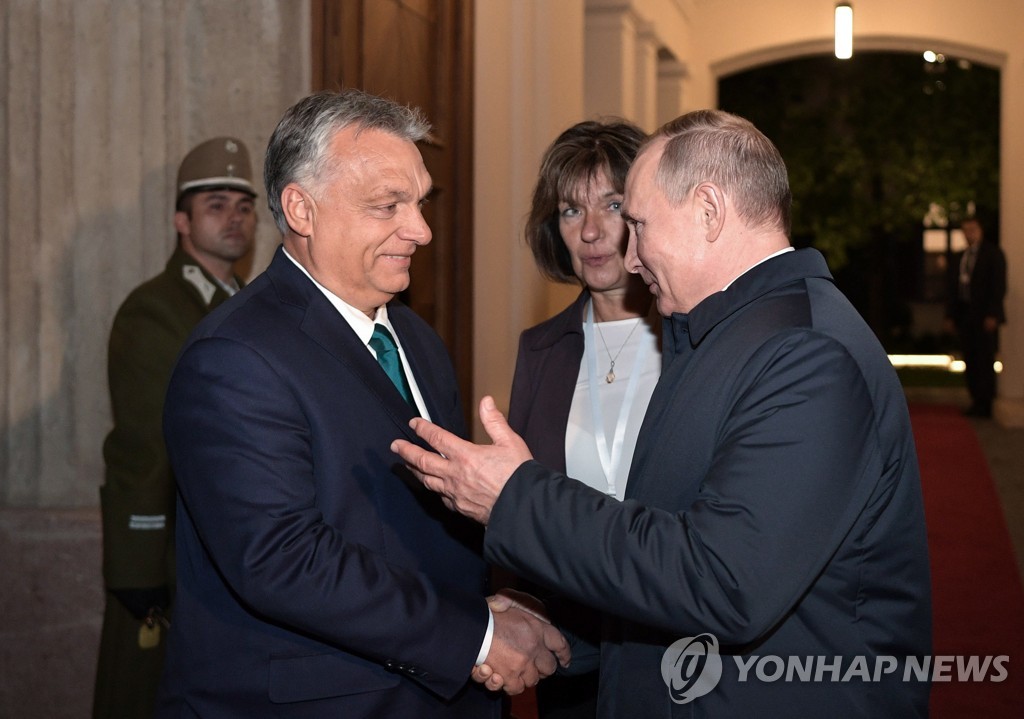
column 357, row 320
column 764, row 259
column 801, row 265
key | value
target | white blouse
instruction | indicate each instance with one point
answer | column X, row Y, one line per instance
column 602, row 461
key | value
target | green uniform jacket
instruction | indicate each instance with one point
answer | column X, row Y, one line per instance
column 138, row 497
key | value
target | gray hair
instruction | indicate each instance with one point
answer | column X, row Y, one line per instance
column 717, row 146
column 297, row 151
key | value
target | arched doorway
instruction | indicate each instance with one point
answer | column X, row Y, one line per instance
column 885, row 151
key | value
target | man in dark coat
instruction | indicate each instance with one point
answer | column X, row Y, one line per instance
column 770, row 557
column 215, row 219
column 975, row 311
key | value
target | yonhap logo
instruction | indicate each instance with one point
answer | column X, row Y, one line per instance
column 691, row 667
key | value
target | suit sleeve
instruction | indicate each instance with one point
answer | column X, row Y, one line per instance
column 996, row 292
column 792, row 469
column 137, row 497
column 242, row 450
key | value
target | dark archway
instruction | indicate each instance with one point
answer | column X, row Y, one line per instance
column 871, row 144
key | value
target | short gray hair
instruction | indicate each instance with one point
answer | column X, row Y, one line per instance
column 717, row 146
column 297, row 151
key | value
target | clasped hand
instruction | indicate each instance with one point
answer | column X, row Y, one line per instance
column 525, row 647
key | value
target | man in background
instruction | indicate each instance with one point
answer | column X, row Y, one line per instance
column 215, row 220
column 975, row 311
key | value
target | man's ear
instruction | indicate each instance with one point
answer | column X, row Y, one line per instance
column 710, row 204
column 181, row 223
column 299, row 209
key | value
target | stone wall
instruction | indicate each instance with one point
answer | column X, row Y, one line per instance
column 101, row 99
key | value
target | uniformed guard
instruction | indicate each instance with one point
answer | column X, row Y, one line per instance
column 215, row 220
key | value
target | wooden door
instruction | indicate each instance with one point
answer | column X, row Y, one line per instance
column 419, row 53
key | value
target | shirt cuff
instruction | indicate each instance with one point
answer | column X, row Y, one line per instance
column 485, row 648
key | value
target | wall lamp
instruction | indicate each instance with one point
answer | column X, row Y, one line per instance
column 844, row 31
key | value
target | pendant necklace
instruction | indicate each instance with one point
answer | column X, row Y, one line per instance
column 610, row 456
column 610, row 377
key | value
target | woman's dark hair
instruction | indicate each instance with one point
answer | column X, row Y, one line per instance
column 572, row 161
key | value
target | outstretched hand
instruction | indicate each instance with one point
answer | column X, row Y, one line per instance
column 468, row 476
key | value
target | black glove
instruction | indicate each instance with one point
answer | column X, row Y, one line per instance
column 140, row 601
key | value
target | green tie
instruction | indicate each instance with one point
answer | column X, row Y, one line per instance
column 387, row 355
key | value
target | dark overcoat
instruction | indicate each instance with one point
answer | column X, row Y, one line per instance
column 774, row 502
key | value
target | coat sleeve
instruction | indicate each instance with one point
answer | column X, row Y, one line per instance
column 793, row 466
column 137, row 497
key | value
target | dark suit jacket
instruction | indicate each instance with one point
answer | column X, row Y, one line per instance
column 987, row 287
column 316, row 577
column 774, row 501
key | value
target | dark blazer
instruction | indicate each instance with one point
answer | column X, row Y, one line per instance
column 316, row 577
column 546, row 369
column 987, row 287
column 774, row 501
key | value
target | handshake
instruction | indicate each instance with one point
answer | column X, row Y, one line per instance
column 525, row 647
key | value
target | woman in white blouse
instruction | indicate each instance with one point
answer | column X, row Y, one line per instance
column 584, row 377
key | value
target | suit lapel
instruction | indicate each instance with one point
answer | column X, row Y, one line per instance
column 322, row 323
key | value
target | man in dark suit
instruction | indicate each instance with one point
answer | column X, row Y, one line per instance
column 975, row 311
column 316, row 577
column 215, row 219
column 773, row 514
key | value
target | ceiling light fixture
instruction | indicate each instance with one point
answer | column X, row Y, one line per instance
column 844, row 31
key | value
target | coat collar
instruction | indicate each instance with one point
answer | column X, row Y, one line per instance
column 568, row 321
column 182, row 265
column 691, row 328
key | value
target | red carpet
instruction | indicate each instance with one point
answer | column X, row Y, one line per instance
column 978, row 600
